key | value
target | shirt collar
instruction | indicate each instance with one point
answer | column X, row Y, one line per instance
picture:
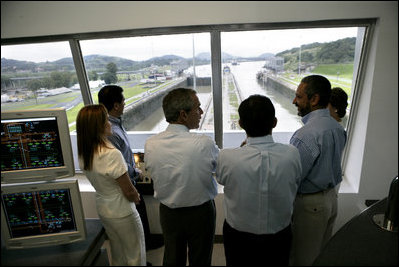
column 259, row 140
column 316, row 113
column 177, row 128
column 114, row 119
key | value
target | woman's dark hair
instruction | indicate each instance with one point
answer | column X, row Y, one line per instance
column 339, row 100
column 257, row 115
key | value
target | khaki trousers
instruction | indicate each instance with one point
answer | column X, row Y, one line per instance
column 312, row 224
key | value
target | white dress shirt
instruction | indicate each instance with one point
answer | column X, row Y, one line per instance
column 181, row 164
column 260, row 184
column 108, row 165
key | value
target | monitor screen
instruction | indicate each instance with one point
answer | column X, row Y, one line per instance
column 41, row 214
column 35, row 145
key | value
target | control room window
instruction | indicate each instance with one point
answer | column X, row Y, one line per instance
column 272, row 63
column 147, row 67
column 40, row 76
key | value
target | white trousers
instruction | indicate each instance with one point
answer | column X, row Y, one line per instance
column 126, row 236
column 312, row 224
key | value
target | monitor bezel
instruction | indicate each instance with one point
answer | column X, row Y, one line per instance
column 50, row 173
column 47, row 239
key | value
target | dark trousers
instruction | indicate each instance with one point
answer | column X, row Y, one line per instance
column 188, row 227
column 247, row 249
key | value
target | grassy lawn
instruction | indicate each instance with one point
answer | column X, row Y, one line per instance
column 132, row 91
column 73, row 112
column 68, row 99
column 28, row 104
column 343, row 79
column 341, row 70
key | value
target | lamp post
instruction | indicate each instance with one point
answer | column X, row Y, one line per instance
column 194, row 82
column 299, row 62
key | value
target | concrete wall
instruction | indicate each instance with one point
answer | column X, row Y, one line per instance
column 137, row 112
column 285, row 88
column 199, row 81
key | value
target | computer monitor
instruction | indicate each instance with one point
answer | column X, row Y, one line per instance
column 41, row 214
column 35, row 146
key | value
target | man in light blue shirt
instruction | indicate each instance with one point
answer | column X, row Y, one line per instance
column 181, row 165
column 111, row 96
column 120, row 140
column 260, row 184
column 320, row 143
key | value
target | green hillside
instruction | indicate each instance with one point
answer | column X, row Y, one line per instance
column 315, row 54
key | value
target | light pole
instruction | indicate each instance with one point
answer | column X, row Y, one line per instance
column 194, row 82
column 299, row 63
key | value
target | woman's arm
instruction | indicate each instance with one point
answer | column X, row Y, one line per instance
column 128, row 189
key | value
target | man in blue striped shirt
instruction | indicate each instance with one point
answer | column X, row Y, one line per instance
column 111, row 96
column 320, row 143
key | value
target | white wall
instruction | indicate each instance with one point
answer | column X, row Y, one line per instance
column 373, row 154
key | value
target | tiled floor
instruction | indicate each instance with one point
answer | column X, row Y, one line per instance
column 155, row 256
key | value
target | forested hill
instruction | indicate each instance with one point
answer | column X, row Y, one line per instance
column 92, row 62
column 340, row 51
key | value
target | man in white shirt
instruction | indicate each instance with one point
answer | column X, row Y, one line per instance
column 260, row 183
column 181, row 165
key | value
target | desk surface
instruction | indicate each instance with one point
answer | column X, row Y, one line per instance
column 74, row 254
column 361, row 242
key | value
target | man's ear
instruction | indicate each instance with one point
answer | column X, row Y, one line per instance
column 116, row 106
column 314, row 100
column 274, row 122
column 182, row 116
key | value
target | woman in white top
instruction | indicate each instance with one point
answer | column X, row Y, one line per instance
column 116, row 196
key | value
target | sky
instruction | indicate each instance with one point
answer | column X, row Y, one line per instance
column 239, row 44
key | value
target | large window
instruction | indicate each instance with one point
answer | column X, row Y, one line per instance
column 272, row 63
column 147, row 68
column 40, row 76
column 254, row 59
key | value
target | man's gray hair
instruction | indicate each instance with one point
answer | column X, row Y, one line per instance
column 177, row 100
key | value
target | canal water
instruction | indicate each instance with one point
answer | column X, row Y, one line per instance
column 245, row 76
column 286, row 112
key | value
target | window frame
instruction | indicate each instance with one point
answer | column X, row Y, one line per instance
column 215, row 32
